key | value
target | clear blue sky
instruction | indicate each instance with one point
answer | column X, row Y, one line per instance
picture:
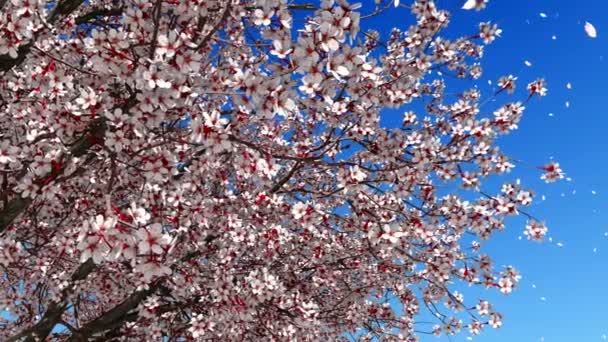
column 571, row 279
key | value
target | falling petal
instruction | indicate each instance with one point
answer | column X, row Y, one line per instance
column 527, row 63
column 590, row 29
column 469, row 5
column 543, row 15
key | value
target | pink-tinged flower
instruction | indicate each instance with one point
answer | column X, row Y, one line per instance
column 115, row 140
column 101, row 224
column 8, row 153
column 157, row 171
column 391, row 234
column 299, row 210
column 356, row 174
column 506, row 285
column 188, row 61
column 134, row 17
column 200, row 325
column 27, row 188
column 538, row 87
column 495, row 320
column 536, row 230
column 507, row 83
column 280, row 49
column 9, row 47
column 262, row 18
column 552, row 172
column 483, row 308
column 151, row 239
column 139, row 214
column 305, row 54
column 152, row 268
column 93, row 247
column 488, row 32
column 524, row 197
column 87, row 98
column 155, row 78
column 9, row 251
column 118, row 39
column 167, row 45
column 125, row 247
column 95, row 240
column 267, row 169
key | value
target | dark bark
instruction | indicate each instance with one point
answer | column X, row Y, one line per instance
column 63, row 9
column 114, row 318
column 96, row 13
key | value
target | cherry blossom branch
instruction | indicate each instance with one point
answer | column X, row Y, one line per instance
column 114, row 318
column 94, row 134
column 98, row 12
column 286, row 178
column 55, row 310
column 62, row 61
column 62, row 9
column 217, row 26
column 156, row 13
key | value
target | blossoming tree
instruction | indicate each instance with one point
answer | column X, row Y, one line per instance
column 217, row 170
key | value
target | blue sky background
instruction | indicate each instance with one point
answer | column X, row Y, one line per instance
column 562, row 295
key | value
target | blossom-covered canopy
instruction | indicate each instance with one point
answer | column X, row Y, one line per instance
column 217, row 170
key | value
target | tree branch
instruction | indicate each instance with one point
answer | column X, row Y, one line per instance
column 217, row 26
column 115, row 317
column 98, row 12
column 285, row 179
column 63, row 9
column 55, row 310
